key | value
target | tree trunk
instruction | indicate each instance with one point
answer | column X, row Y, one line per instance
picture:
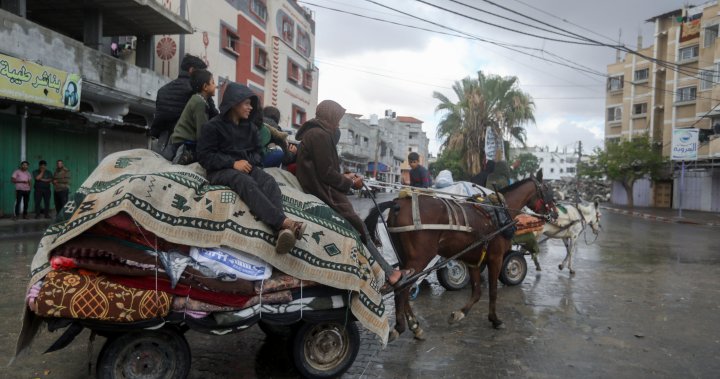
column 629, row 193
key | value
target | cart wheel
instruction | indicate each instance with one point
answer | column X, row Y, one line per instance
column 277, row 331
column 454, row 276
column 514, row 269
column 325, row 349
column 162, row 353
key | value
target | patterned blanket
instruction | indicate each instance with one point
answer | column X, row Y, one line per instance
column 176, row 203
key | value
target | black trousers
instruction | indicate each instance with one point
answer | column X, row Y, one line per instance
column 23, row 196
column 61, row 197
column 43, row 195
column 257, row 189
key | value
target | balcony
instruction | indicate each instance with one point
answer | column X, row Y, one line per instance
column 353, row 152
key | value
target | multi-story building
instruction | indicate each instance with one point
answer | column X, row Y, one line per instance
column 556, row 165
column 670, row 85
column 267, row 45
column 67, row 91
column 378, row 147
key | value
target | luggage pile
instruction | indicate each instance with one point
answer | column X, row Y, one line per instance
column 144, row 243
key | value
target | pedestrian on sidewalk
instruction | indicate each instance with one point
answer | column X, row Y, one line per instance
column 21, row 178
column 61, row 184
column 43, row 178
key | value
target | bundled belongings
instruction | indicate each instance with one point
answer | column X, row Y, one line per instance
column 146, row 241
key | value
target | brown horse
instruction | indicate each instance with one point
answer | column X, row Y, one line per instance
column 416, row 248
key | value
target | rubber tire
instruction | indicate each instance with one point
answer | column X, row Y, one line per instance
column 167, row 346
column 284, row 332
column 454, row 276
column 346, row 333
column 514, row 268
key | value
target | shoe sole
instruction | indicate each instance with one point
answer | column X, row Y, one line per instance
column 301, row 232
column 285, row 242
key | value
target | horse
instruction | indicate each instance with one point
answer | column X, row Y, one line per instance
column 572, row 220
column 435, row 230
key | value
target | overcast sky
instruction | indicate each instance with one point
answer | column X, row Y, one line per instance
column 369, row 66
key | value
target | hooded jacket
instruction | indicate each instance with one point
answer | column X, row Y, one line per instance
column 223, row 142
column 318, row 164
column 170, row 102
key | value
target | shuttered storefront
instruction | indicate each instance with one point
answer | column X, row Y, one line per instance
column 9, row 160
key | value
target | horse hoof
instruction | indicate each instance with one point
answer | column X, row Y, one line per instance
column 572, row 272
column 456, row 316
column 419, row 334
column 499, row 325
column 538, row 268
column 393, row 335
column 560, row 267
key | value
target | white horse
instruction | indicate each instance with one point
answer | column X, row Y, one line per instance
column 571, row 222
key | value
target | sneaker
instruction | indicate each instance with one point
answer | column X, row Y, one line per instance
column 285, row 241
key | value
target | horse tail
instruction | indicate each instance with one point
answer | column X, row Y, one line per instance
column 372, row 219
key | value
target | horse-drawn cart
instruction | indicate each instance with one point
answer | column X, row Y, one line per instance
column 146, row 251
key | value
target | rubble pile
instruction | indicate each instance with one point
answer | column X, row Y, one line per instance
column 587, row 189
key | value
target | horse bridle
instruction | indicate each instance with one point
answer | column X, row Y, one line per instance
column 544, row 204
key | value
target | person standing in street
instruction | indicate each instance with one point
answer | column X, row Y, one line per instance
column 43, row 178
column 61, row 184
column 419, row 175
column 21, row 178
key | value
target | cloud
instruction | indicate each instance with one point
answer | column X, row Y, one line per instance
column 370, row 66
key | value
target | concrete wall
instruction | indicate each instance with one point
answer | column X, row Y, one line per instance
column 110, row 77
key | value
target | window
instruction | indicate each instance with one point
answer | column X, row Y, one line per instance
column 711, row 33
column 552, row 170
column 308, row 79
column 260, row 58
column 614, row 114
column 293, row 71
column 688, row 53
column 561, row 171
column 615, row 83
column 640, row 109
column 562, row 160
column 259, row 8
column 552, row 160
column 686, row 94
column 303, row 42
column 570, row 170
column 707, row 79
column 288, row 29
column 298, row 116
column 642, row 75
column 230, row 41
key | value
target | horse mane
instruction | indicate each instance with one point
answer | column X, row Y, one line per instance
column 514, row 185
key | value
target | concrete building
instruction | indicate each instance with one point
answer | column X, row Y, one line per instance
column 670, row 85
column 67, row 92
column 386, row 140
column 268, row 45
column 556, row 165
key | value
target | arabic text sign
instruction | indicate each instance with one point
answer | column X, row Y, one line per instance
column 27, row 81
column 684, row 145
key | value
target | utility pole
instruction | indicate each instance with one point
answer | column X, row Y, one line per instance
column 577, row 172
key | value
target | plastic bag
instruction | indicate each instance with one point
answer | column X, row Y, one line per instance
column 444, row 179
column 225, row 260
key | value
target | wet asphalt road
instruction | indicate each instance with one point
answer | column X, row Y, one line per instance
column 644, row 303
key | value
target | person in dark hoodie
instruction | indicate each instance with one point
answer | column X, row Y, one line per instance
column 171, row 100
column 318, row 171
column 230, row 152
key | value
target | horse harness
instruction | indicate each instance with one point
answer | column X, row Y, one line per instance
column 454, row 222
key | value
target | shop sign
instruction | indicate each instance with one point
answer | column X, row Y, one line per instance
column 33, row 83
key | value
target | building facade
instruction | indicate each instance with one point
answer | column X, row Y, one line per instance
column 672, row 85
column 556, row 165
column 267, row 45
column 68, row 92
column 378, row 147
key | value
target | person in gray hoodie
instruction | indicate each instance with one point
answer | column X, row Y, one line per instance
column 230, row 151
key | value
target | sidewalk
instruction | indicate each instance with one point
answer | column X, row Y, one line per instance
column 667, row 214
column 31, row 227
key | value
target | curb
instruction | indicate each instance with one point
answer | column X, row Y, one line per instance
column 648, row 216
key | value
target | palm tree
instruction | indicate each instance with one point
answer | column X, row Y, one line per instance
column 486, row 102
